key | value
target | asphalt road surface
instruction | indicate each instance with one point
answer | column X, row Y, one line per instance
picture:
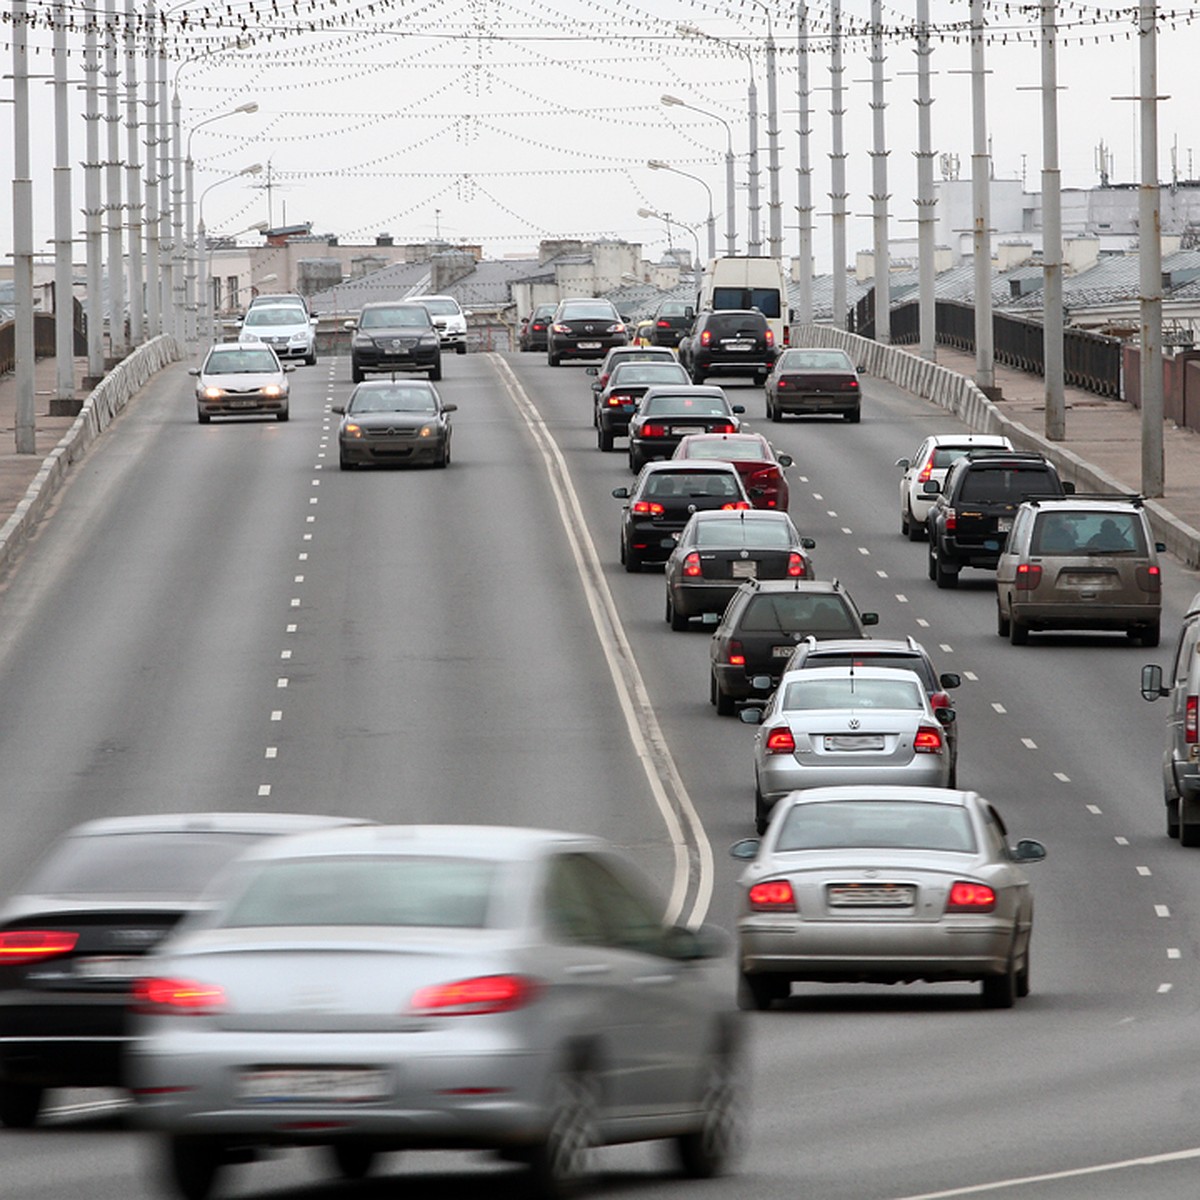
column 217, row 617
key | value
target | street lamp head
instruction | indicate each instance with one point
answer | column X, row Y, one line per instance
column 252, row 170
column 656, row 164
column 258, row 227
column 670, row 101
column 251, row 107
column 646, row 213
column 689, row 31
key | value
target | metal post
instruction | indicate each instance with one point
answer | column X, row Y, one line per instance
column 1052, row 245
column 926, row 196
column 153, row 272
column 804, row 205
column 774, row 205
column 730, row 201
column 754, row 241
column 133, row 174
column 980, row 193
column 192, row 299
column 166, row 194
column 26, row 432
column 879, row 182
column 203, row 295
column 63, row 401
column 179, row 299
column 1150, row 256
column 837, row 165
column 117, row 344
column 93, row 204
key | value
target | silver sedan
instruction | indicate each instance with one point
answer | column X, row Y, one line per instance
column 837, row 725
column 238, row 381
column 884, row 885
column 437, row 987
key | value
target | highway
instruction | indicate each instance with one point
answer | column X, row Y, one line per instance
column 218, row 618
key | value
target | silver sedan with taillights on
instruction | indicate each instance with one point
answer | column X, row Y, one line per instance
column 885, row 885
column 452, row 987
column 828, row 726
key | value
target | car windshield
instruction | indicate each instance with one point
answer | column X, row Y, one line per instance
column 729, row 450
column 815, row 360
column 685, row 406
column 665, row 484
column 799, row 612
column 588, row 312
column 410, row 398
column 876, row 825
column 756, row 534
column 284, row 315
column 411, row 316
column 998, row 485
column 1072, row 533
column 647, row 373
column 422, row 892
column 241, row 362
column 850, row 692
column 859, row 658
column 164, row 865
column 440, row 308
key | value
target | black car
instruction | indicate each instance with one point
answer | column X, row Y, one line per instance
column 718, row 551
column 970, row 520
column 729, row 342
column 74, row 936
column 814, row 380
column 584, row 329
column 388, row 421
column 666, row 415
column 618, row 400
column 535, row 327
column 394, row 337
column 761, row 626
column 661, row 503
column 628, row 353
column 669, row 322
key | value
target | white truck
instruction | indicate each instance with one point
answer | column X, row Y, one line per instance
column 743, row 282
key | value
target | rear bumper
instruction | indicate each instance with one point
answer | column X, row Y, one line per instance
column 816, row 403
column 64, row 1040
column 709, row 596
column 1084, row 615
column 780, row 774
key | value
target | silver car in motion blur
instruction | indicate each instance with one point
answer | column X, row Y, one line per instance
column 436, row 987
column 827, row 726
column 884, row 885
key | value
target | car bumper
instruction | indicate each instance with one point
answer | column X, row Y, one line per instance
column 972, row 554
column 64, row 1040
column 780, row 775
column 615, row 421
column 816, row 403
column 646, row 450
column 652, row 542
column 241, row 406
column 424, row 359
column 599, row 347
column 750, row 364
column 383, row 451
column 1085, row 616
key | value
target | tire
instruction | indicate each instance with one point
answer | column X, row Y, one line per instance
column 760, row 379
column 1018, row 633
column 635, row 464
column 631, row 561
column 1149, row 635
column 604, row 439
column 853, row 418
column 1189, row 834
column 356, row 374
column 344, row 464
column 461, row 348
column 712, row 687
column 942, row 577
column 762, row 816
column 204, row 418
column 553, row 359
column 679, row 623
column 756, row 993
column 710, row 1150
column 282, row 416
column 1023, row 976
column 352, row 1160
column 561, row 1162
column 931, row 562
column 443, row 460
column 1172, row 807
column 722, row 700
column 192, row 1166
column 1000, row 991
column 20, row 1104
column 697, row 375
column 915, row 531
column 773, row 413
column 311, row 360
column 1002, row 622
column 435, row 372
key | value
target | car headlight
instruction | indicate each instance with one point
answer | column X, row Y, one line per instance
column 363, row 343
column 246, row 337
column 273, row 390
column 428, row 431
column 350, row 429
column 429, row 339
column 212, row 393
column 300, row 339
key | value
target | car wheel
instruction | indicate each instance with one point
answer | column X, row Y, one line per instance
column 1189, row 834
column 193, row 1165
column 604, row 439
column 20, row 1104
column 635, row 464
column 952, row 778
column 311, row 360
column 1018, row 631
column 710, row 1149
column 461, row 348
column 204, row 418
column 443, row 460
column 722, row 700
column 352, row 1160
column 1023, row 976
column 561, row 1162
column 553, row 360
column 762, row 815
column 1149, row 635
column 679, row 623
column 1002, row 622
column 944, row 577
column 914, row 529
column 760, row 379
column 631, row 561
column 1000, row 991
column 1173, row 818
column 854, row 417
column 756, row 993
column 697, row 375
column 931, row 560
column 435, row 372
column 282, row 415
column 356, row 374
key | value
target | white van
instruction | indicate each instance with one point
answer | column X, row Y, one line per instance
column 744, row 282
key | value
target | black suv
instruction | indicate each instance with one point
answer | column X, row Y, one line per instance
column 762, row 624
column 671, row 320
column 584, row 329
column 729, row 342
column 970, row 520
column 394, row 337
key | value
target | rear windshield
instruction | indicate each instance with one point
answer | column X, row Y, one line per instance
column 1067, row 533
column 851, row 693
column 709, row 483
column 877, row 824
column 241, row 362
column 728, row 450
column 584, row 312
column 728, row 325
column 648, row 372
column 815, row 360
column 441, row 308
column 1007, row 484
column 673, row 308
column 844, row 658
column 686, row 406
column 766, row 300
column 442, row 893
column 943, row 456
column 410, row 316
column 734, row 535
column 799, row 612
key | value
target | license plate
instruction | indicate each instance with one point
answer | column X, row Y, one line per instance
column 738, row 345
column 589, row 345
column 871, row 895
column 1003, row 524
column 243, row 404
column 781, row 651
column 109, row 967
column 747, row 569
column 330, row 1085
column 684, row 430
column 854, row 741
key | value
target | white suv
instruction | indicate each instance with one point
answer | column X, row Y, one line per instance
column 931, row 461
column 449, row 319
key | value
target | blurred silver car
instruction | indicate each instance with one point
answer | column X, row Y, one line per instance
column 827, row 726
column 884, row 885
column 437, row 987
column 236, row 381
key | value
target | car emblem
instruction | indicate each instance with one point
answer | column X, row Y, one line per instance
column 390, row 431
column 396, row 343
column 854, row 722
column 744, row 554
column 587, row 329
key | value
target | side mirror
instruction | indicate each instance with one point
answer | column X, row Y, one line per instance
column 808, row 543
column 746, row 849
column 194, row 371
column 754, row 493
column 1028, row 850
column 621, row 493
column 689, row 314
column 750, row 716
column 1068, row 488
column 870, row 618
column 950, row 680
column 349, row 324
column 288, row 368
column 784, row 460
column 592, row 371
column 451, row 407
column 761, row 683
column 930, row 487
column 340, row 409
column 1161, row 547
column 467, row 312
column 739, row 408
column 945, row 716
column 312, row 320
column 1152, row 687
column 903, row 463
column 709, row 618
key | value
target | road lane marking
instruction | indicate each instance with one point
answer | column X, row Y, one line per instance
column 1061, row 777
column 924, row 624
column 861, row 549
column 1163, row 988
column 1172, row 952
column 1029, row 743
column 1162, row 910
column 971, row 676
column 901, row 598
column 882, row 574
column 1093, row 809
column 1121, row 841
column 272, row 752
column 277, row 714
column 1142, row 870
column 999, row 708
column 645, row 732
column 945, row 648
column 264, row 789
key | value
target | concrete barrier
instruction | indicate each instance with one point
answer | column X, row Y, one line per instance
column 99, row 410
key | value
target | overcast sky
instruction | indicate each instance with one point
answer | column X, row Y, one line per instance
column 505, row 122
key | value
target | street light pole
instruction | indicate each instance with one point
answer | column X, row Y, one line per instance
column 774, row 204
column 117, row 345
column 133, row 174
column 648, row 214
column 730, row 184
column 658, row 165
column 64, row 291
column 22, row 218
column 206, row 307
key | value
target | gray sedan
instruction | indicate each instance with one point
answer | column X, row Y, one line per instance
column 838, row 725
column 885, row 885
column 394, row 421
column 238, row 381
column 424, row 987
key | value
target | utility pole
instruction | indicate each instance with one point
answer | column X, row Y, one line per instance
column 63, row 402
column 1150, row 255
column 154, row 315
column 1052, row 245
column 117, row 345
column 804, row 202
column 93, row 209
column 879, row 180
column 980, row 192
column 133, row 174
column 754, row 241
column 22, row 193
column 926, row 196
column 171, row 316
column 837, row 165
column 774, row 205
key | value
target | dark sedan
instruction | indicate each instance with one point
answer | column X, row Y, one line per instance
column 535, row 327
column 669, row 322
column 630, row 353
column 394, row 421
column 814, row 381
column 394, row 337
column 617, row 402
column 662, row 500
column 754, row 457
column 584, row 329
column 666, row 415
column 718, row 551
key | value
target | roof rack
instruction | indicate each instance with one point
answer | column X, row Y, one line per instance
column 1125, row 497
column 999, row 452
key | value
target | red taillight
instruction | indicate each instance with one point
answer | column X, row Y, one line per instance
column 770, row 337
column 772, row 895
column 654, row 431
column 34, row 945
column 726, row 428
column 926, row 471
column 783, row 384
column 538, row 325
column 706, row 337
column 928, row 740
column 970, row 897
column 765, row 476
column 737, row 506
column 951, row 520
column 796, row 569
column 1029, row 575
column 647, row 508
column 1189, row 720
column 618, row 328
column 737, row 655
column 691, row 565
column 661, row 324
column 1149, row 579
column 561, row 328
column 939, row 700
column 850, row 385
column 158, row 994
column 780, row 741
column 615, row 401
column 474, row 997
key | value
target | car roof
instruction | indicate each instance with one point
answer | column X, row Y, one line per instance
column 813, row 674
column 746, row 435
column 429, row 296
column 969, row 439
column 213, row 822
column 865, row 646
column 1078, row 503
column 886, row 792
column 386, row 385
column 392, row 304
column 689, row 389
column 742, row 515
column 689, row 466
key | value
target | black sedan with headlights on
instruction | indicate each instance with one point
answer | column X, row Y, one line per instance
column 394, row 421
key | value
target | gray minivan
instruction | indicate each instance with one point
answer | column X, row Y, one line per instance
column 1181, row 758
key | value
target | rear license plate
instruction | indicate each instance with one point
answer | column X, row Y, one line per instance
column 296, row 1085
column 684, row 430
column 781, row 651
column 589, row 345
column 1087, row 582
column 871, row 895
column 747, row 569
column 109, row 967
column 738, row 345
column 857, row 741
column 1003, row 524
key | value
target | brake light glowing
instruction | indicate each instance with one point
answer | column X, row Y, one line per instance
column 706, row 337
column 726, row 428
column 772, row 895
column 951, row 520
column 561, row 328
column 1029, row 575
column 737, row 506
column 691, row 565
column 770, row 336
column 795, row 567
column 475, row 997
column 850, row 385
column 928, row 740
column 643, row 508
column 782, row 384
column 970, row 897
column 616, row 400
column 34, row 945
column 926, row 471
column 737, row 655
column 1149, row 579
column 651, row 430
column 158, row 995
column 661, row 323
column 1190, row 714
column 617, row 328
column 780, row 741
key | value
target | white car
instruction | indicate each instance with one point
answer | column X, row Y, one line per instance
column 930, row 462
column 286, row 328
column 449, row 319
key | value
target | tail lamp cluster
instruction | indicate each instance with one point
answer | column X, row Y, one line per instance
column 778, row 895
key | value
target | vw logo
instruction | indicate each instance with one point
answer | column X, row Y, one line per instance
column 854, row 723
column 744, row 554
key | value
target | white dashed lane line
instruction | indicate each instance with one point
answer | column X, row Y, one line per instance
column 882, row 574
column 1173, row 952
column 971, row 676
column 1061, row 777
column 1094, row 809
column 264, row 789
column 1162, row 910
column 946, row 649
column 999, row 708
column 901, row 598
column 1029, row 743
column 1121, row 841
column 1143, row 870
column 924, row 624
